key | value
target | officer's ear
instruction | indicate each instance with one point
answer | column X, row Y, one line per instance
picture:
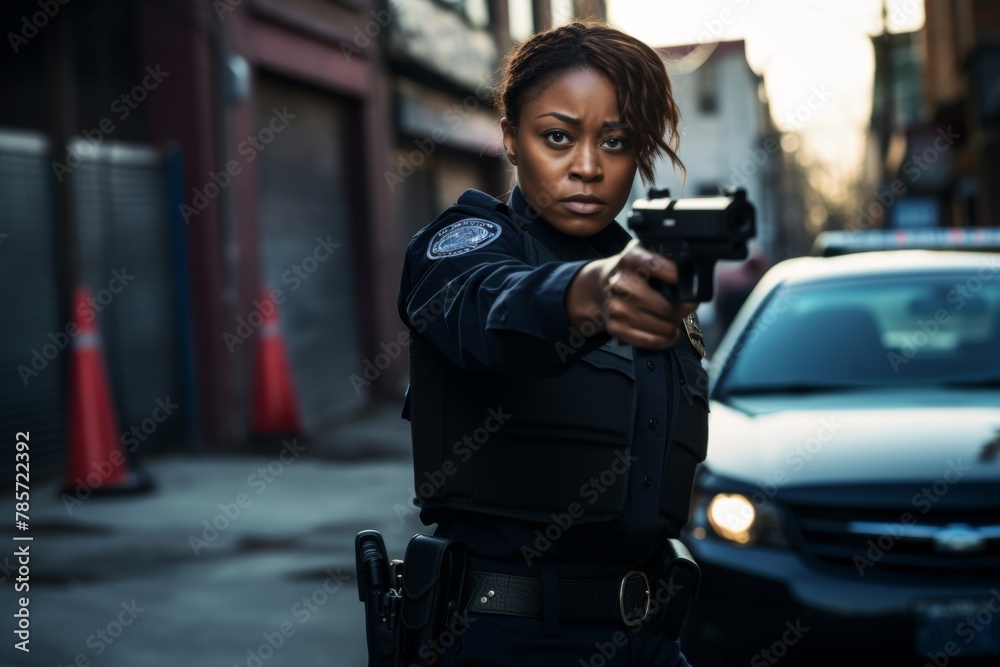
column 509, row 140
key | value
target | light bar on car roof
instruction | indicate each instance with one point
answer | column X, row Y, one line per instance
column 952, row 238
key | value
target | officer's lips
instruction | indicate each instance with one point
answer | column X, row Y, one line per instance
column 583, row 204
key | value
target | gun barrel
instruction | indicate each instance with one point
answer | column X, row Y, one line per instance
column 724, row 223
column 698, row 217
column 695, row 232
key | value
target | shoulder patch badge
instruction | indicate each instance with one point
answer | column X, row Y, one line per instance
column 461, row 237
column 695, row 334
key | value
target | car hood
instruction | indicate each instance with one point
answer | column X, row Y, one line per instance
column 856, row 437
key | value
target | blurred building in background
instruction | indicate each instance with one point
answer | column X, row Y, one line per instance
column 723, row 120
column 935, row 121
column 439, row 63
column 196, row 163
column 898, row 134
column 962, row 81
column 729, row 139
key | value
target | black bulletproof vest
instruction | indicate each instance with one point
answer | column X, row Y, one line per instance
column 530, row 447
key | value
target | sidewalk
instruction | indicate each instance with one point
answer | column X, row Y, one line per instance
column 232, row 560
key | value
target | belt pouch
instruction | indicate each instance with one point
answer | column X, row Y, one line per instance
column 681, row 577
column 433, row 580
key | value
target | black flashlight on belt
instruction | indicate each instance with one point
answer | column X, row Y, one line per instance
column 382, row 601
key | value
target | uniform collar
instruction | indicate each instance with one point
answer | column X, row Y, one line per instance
column 480, row 199
column 610, row 240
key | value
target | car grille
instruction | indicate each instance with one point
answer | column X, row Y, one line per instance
column 869, row 541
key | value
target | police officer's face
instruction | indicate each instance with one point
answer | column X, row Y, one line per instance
column 573, row 154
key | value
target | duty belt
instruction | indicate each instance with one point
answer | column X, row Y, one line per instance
column 628, row 597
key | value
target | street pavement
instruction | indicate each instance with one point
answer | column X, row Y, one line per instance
column 233, row 560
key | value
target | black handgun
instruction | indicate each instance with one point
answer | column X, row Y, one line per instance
column 695, row 232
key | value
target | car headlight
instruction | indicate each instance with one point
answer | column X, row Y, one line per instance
column 735, row 518
column 731, row 516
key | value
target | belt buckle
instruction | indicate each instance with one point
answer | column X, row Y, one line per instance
column 621, row 598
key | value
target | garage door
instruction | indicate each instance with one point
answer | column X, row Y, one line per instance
column 304, row 210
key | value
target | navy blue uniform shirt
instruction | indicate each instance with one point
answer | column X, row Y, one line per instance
column 504, row 312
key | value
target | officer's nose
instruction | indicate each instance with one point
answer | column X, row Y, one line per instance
column 587, row 164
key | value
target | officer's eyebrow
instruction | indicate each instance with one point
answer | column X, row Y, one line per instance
column 608, row 124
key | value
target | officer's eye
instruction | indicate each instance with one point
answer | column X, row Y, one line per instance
column 616, row 143
column 557, row 137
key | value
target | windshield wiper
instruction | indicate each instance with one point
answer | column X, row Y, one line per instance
column 800, row 388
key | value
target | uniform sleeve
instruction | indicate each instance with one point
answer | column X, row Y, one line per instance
column 487, row 309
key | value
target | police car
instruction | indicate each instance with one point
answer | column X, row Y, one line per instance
column 849, row 509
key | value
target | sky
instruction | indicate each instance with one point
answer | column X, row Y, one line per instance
column 801, row 48
column 673, row 22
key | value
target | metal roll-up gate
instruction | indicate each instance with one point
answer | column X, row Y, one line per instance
column 33, row 340
column 303, row 200
column 125, row 256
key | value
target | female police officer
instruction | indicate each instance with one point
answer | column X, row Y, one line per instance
column 557, row 405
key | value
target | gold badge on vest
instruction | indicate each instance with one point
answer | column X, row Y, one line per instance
column 694, row 333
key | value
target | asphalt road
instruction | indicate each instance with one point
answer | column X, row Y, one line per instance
column 231, row 561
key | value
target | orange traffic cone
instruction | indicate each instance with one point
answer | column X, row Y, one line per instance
column 96, row 463
column 275, row 410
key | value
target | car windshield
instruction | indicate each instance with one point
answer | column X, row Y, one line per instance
column 913, row 329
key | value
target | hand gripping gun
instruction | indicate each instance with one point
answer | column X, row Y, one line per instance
column 695, row 232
